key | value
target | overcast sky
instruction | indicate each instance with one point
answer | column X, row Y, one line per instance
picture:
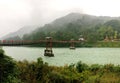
column 15, row 14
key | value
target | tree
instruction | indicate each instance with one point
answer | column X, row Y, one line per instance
column 104, row 31
column 115, row 35
column 8, row 69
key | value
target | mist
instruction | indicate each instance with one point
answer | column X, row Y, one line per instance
column 16, row 14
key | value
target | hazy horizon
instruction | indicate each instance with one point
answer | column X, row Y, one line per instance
column 16, row 14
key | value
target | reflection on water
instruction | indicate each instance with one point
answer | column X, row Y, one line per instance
column 66, row 56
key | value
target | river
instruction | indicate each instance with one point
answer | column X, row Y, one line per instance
column 65, row 56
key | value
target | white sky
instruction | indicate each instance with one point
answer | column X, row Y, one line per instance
column 15, row 14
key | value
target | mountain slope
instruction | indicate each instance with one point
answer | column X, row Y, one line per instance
column 70, row 26
column 20, row 32
column 73, row 25
column 81, row 18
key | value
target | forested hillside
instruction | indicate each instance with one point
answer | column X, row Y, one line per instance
column 92, row 28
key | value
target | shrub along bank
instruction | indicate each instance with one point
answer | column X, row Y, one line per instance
column 40, row 72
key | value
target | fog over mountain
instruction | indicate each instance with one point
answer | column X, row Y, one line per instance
column 79, row 21
column 93, row 28
column 20, row 13
column 20, row 32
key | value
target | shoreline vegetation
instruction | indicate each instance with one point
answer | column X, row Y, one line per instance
column 110, row 44
column 41, row 72
column 92, row 31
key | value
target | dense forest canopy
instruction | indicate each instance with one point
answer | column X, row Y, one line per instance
column 73, row 25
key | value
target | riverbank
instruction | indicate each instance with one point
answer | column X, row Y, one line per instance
column 41, row 72
column 107, row 44
column 82, row 44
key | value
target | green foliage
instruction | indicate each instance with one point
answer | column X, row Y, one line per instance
column 92, row 33
column 92, row 28
column 104, row 31
column 1, row 53
column 96, row 69
column 8, row 69
column 41, row 72
column 107, row 44
column 81, row 66
column 109, row 68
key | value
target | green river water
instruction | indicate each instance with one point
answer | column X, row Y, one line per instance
column 65, row 56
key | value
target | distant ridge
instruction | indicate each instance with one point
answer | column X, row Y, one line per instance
column 20, row 32
column 63, row 25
